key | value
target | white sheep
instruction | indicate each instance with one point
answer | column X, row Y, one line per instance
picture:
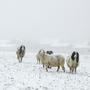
column 38, row 57
column 52, row 60
column 73, row 61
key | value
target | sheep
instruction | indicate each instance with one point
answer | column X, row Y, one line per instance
column 52, row 60
column 20, row 53
column 38, row 57
column 73, row 61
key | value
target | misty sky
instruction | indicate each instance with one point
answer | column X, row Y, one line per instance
column 65, row 20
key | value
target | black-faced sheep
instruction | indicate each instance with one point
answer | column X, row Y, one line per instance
column 73, row 61
column 49, row 52
column 20, row 53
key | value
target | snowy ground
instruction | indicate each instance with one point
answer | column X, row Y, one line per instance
column 29, row 75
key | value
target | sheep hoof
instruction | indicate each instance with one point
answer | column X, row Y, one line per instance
column 49, row 67
column 57, row 70
column 46, row 70
column 64, row 70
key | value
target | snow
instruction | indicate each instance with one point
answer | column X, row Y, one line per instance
column 29, row 75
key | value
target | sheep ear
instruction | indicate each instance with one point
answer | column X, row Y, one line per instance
column 77, row 56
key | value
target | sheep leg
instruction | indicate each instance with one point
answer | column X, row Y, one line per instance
column 21, row 59
column 49, row 65
column 70, row 69
column 39, row 61
column 46, row 69
column 58, row 68
column 75, row 70
column 63, row 68
column 43, row 65
column 17, row 57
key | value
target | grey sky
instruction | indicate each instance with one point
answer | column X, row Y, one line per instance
column 66, row 20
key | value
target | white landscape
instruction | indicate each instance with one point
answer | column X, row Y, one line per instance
column 29, row 75
column 62, row 26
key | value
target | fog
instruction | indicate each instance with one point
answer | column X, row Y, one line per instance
column 45, row 20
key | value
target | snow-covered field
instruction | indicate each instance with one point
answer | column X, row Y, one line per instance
column 29, row 75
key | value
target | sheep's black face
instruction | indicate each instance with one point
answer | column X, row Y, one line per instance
column 73, row 55
column 22, row 49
